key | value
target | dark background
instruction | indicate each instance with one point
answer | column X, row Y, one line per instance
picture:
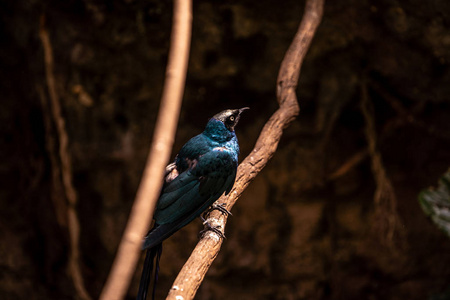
column 297, row 232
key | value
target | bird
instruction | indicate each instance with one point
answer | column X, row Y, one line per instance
column 201, row 172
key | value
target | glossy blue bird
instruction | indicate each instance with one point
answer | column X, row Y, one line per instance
column 203, row 170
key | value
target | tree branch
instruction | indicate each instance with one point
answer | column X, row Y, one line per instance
column 348, row 165
column 194, row 270
column 65, row 164
column 149, row 188
column 386, row 223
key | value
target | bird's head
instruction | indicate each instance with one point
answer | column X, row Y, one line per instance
column 230, row 117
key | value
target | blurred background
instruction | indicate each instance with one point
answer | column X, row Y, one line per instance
column 334, row 215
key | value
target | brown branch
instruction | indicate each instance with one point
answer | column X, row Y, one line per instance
column 348, row 165
column 148, row 192
column 66, row 164
column 57, row 196
column 407, row 116
column 193, row 272
column 387, row 224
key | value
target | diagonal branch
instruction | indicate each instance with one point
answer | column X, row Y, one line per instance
column 193, row 272
column 149, row 188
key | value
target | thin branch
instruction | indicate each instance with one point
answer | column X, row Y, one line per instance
column 149, row 188
column 66, row 164
column 193, row 272
column 57, row 196
column 387, row 224
column 407, row 116
column 349, row 165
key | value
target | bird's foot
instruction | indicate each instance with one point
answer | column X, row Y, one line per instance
column 214, row 229
column 220, row 207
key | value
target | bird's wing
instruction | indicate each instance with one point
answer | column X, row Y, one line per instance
column 188, row 195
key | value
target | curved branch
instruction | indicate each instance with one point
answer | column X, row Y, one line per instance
column 149, row 188
column 194, row 270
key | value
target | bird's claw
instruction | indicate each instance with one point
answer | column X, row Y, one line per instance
column 214, row 229
column 220, row 207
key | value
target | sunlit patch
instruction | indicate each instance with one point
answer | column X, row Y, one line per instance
column 221, row 149
column 172, row 175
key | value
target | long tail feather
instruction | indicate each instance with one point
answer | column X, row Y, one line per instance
column 158, row 257
column 148, row 270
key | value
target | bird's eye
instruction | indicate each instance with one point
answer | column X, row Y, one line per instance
column 231, row 118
